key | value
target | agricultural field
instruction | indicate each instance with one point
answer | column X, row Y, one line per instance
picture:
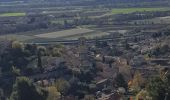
column 12, row 14
column 91, row 35
column 70, row 34
column 65, row 33
column 61, row 21
column 132, row 10
column 157, row 20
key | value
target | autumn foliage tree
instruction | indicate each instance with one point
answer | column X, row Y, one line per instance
column 137, row 82
column 53, row 93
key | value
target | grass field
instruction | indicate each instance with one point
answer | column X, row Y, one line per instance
column 131, row 10
column 12, row 14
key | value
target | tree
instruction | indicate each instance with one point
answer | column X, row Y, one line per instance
column 15, row 71
column 144, row 95
column 159, row 89
column 14, row 56
column 41, row 51
column 137, row 82
column 53, row 93
column 39, row 64
column 17, row 45
column 23, row 89
column 1, row 94
column 120, row 81
column 62, row 86
column 31, row 48
column 89, row 97
column 56, row 52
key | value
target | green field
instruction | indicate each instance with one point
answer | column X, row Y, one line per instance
column 12, row 14
column 131, row 10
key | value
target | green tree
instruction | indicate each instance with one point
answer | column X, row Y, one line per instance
column 56, row 52
column 62, row 86
column 39, row 63
column 40, row 52
column 1, row 94
column 23, row 89
column 15, row 71
column 17, row 45
column 159, row 89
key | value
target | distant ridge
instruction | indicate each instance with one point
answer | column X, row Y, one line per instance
column 90, row 0
column 99, row 2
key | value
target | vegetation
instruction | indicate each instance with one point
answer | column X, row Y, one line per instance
column 62, row 86
column 120, row 81
column 137, row 82
column 132, row 10
column 84, row 50
column 143, row 94
column 53, row 93
column 24, row 89
column 12, row 14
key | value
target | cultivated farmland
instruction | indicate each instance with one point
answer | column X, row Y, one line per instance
column 131, row 10
column 65, row 33
column 12, row 14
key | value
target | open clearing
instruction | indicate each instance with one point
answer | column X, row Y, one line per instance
column 65, row 33
column 12, row 14
column 131, row 10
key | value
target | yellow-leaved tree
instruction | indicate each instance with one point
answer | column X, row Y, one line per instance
column 143, row 95
column 137, row 82
column 53, row 93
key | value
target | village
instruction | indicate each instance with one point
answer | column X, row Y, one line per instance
column 84, row 50
column 103, row 61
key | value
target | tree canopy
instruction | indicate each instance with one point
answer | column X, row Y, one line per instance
column 23, row 89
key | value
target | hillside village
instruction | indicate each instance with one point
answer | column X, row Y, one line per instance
column 105, row 70
column 84, row 50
